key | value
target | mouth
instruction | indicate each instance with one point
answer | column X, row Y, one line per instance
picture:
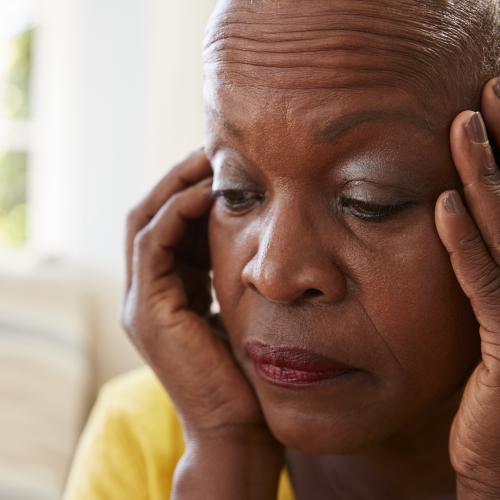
column 294, row 368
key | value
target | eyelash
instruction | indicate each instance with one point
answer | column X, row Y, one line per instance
column 372, row 212
column 236, row 201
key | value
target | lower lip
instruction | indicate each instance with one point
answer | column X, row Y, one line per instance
column 297, row 379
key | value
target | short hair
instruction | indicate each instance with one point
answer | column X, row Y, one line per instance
column 466, row 38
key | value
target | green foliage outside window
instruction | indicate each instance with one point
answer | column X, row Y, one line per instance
column 13, row 183
column 16, row 93
column 14, row 105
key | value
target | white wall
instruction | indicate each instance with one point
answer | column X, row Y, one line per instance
column 117, row 99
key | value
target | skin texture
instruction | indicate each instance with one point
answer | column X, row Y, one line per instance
column 306, row 125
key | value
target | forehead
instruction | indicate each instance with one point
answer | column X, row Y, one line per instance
column 280, row 73
column 325, row 44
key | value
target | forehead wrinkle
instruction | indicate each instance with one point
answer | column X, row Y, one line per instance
column 301, row 29
column 387, row 60
column 428, row 42
column 370, row 50
column 360, row 17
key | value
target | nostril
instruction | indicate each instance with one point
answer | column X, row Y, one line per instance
column 312, row 292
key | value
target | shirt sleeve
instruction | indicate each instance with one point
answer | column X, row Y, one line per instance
column 130, row 445
column 109, row 463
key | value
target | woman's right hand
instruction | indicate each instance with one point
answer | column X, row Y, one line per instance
column 166, row 307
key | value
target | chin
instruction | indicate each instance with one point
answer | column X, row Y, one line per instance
column 337, row 435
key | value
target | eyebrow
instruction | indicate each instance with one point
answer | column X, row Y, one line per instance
column 226, row 124
column 334, row 130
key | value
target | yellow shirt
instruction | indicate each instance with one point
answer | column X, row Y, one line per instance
column 131, row 444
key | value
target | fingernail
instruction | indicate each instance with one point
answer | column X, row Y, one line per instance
column 496, row 88
column 453, row 203
column 476, row 129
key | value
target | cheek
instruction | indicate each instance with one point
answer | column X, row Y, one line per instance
column 419, row 309
column 230, row 247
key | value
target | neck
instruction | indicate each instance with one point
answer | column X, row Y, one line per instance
column 413, row 465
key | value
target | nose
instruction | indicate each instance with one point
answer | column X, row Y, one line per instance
column 292, row 264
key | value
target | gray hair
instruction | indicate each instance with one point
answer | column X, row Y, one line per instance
column 467, row 39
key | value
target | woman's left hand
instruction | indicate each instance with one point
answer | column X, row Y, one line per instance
column 472, row 237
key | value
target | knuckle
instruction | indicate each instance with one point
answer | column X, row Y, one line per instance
column 491, row 182
column 174, row 199
column 143, row 240
column 132, row 322
column 176, row 169
column 136, row 220
column 128, row 309
column 132, row 219
column 488, row 283
column 177, row 172
column 471, row 244
column 127, row 320
column 475, row 467
column 494, row 246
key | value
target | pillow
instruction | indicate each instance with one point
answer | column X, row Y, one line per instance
column 45, row 381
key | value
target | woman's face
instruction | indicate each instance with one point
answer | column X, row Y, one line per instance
column 326, row 241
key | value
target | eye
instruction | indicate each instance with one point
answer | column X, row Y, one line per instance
column 237, row 201
column 372, row 212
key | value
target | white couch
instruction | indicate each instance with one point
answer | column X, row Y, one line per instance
column 60, row 339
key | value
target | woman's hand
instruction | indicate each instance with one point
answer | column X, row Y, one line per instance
column 472, row 237
column 230, row 452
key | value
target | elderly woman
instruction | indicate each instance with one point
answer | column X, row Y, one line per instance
column 348, row 208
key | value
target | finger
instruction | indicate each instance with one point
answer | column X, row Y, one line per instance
column 490, row 108
column 154, row 245
column 189, row 171
column 476, row 271
column 480, row 176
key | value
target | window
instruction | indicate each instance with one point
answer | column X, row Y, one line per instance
column 16, row 39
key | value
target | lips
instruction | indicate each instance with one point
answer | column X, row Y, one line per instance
column 293, row 367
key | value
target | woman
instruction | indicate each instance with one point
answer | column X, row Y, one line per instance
column 358, row 343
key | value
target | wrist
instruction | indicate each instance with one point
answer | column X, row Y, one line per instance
column 230, row 464
column 256, row 435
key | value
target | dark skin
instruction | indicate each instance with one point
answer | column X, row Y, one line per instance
column 336, row 234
